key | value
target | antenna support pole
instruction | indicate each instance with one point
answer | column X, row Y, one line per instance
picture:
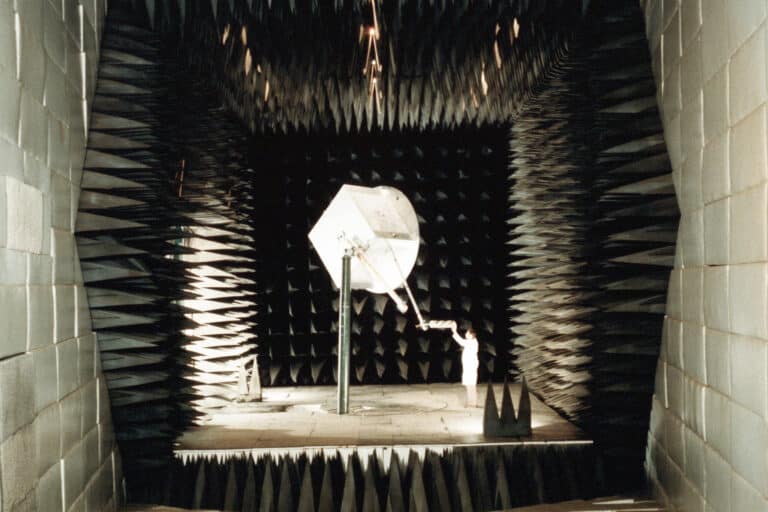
column 345, row 320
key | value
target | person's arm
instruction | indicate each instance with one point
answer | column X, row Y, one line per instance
column 448, row 324
column 458, row 339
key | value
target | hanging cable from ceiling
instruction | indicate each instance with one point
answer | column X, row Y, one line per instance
column 373, row 68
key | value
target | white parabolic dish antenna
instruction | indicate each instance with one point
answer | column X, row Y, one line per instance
column 377, row 225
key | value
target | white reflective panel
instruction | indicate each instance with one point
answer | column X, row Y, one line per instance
column 380, row 221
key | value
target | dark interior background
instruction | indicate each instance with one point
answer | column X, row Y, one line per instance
column 456, row 181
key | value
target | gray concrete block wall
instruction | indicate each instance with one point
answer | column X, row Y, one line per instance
column 708, row 441
column 57, row 447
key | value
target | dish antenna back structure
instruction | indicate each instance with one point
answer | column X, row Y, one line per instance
column 367, row 239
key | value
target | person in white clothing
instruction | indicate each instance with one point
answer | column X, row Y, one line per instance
column 469, row 346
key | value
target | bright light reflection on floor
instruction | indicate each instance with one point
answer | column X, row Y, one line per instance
column 382, row 417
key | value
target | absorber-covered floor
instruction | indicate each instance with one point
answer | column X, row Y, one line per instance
column 408, row 415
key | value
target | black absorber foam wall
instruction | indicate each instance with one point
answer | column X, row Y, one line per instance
column 456, row 182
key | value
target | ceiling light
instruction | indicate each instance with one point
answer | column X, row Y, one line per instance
column 225, row 35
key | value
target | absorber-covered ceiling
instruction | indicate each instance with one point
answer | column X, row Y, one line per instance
column 299, row 64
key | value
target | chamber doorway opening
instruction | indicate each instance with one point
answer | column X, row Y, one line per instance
column 221, row 131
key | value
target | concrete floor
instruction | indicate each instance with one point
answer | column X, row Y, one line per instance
column 399, row 415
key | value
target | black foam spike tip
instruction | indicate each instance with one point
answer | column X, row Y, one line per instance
column 286, row 494
column 491, row 427
column 231, row 494
column 370, row 496
column 200, row 486
column 326, row 503
column 417, row 498
column 503, row 496
column 395, row 500
column 508, row 416
column 524, row 413
column 441, row 499
column 349, row 494
column 267, row 499
column 463, row 492
column 249, row 501
column 481, row 491
column 306, row 493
